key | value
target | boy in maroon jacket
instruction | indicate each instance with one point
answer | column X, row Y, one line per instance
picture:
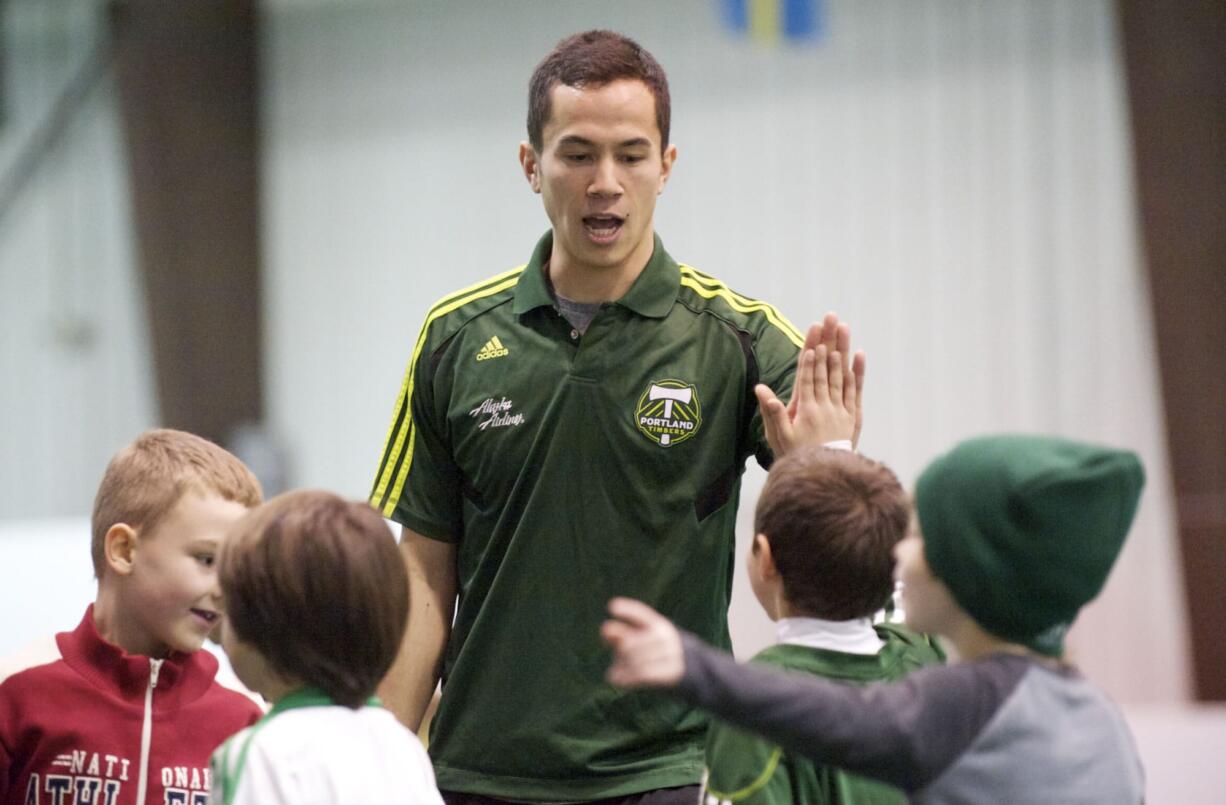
column 124, row 709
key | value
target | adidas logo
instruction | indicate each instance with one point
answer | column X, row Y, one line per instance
column 492, row 349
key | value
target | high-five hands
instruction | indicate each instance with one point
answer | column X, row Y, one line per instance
column 826, row 397
column 646, row 646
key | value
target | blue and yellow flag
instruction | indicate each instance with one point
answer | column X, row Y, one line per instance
column 769, row 21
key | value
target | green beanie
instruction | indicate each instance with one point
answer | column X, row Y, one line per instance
column 1024, row 529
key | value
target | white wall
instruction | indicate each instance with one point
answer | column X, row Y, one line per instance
column 75, row 374
column 46, row 579
column 952, row 177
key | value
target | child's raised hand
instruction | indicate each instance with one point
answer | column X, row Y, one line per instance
column 646, row 646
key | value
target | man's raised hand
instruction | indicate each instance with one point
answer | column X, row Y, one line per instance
column 826, row 397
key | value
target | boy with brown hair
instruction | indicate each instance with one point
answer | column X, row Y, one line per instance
column 125, row 708
column 825, row 528
column 1018, row 533
column 316, row 601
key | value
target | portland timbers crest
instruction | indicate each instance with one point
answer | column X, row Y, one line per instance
column 669, row 412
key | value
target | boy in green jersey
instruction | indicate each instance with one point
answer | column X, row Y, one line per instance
column 824, row 533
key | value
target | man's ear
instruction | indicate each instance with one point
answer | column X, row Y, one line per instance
column 667, row 158
column 119, row 548
column 531, row 165
column 766, row 560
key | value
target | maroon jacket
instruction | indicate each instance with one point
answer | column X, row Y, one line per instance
column 99, row 726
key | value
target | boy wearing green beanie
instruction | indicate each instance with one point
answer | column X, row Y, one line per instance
column 1017, row 534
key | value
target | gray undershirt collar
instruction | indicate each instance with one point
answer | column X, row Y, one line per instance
column 579, row 314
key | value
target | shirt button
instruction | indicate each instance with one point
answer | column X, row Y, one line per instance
column 574, row 335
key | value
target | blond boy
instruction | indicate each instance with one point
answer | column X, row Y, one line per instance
column 125, row 707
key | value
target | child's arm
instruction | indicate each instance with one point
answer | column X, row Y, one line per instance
column 647, row 650
column 905, row 734
column 878, row 731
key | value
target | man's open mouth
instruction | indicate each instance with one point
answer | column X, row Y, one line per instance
column 602, row 227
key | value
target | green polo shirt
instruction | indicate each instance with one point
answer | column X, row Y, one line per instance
column 570, row 469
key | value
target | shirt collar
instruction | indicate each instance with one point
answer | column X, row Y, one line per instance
column 849, row 637
column 652, row 294
column 181, row 677
column 310, row 696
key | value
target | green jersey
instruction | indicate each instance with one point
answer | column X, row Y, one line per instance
column 570, row 468
column 745, row 768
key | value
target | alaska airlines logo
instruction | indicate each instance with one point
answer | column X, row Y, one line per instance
column 492, row 349
column 669, row 412
column 496, row 414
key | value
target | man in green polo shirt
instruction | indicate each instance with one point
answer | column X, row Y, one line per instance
column 568, row 431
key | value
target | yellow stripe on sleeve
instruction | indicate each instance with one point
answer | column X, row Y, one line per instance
column 471, row 292
column 406, row 433
column 711, row 288
column 392, row 449
column 712, row 282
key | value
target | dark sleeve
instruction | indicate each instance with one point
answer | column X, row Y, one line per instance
column 776, row 347
column 417, row 483
column 903, row 733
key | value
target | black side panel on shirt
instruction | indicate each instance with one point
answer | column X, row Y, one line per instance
column 713, row 497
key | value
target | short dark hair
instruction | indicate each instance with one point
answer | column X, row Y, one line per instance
column 832, row 518
column 145, row 480
column 593, row 59
column 316, row 585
